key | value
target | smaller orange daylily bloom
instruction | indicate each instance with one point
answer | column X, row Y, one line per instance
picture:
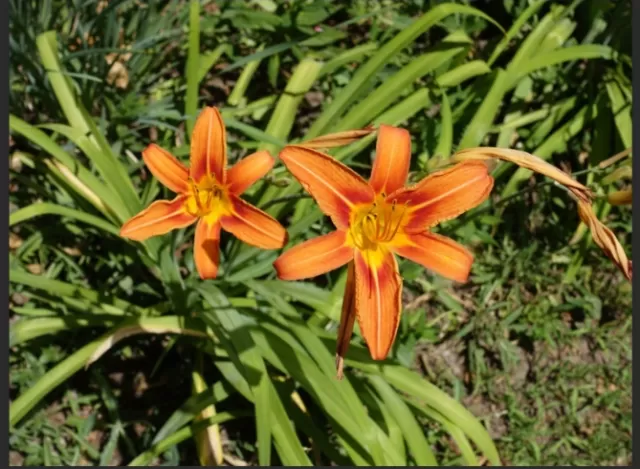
column 208, row 194
column 376, row 220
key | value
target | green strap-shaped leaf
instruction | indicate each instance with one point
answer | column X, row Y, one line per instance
column 330, row 116
column 46, row 208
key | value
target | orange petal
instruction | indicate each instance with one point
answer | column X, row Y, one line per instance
column 393, row 157
column 335, row 187
column 253, row 226
column 438, row 253
column 158, row 218
column 444, row 195
column 207, row 249
column 248, row 170
column 166, row 168
column 378, row 295
column 314, row 257
column 209, row 146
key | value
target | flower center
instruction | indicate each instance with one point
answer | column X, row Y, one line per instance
column 376, row 223
column 206, row 198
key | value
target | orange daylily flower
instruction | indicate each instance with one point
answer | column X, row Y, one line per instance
column 376, row 220
column 208, row 194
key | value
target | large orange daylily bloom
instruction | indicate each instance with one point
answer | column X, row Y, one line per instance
column 208, row 194
column 376, row 220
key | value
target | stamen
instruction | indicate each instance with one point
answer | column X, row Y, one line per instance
column 379, row 223
column 395, row 231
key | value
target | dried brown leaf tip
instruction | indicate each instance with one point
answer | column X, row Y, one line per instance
column 338, row 139
column 603, row 236
column 605, row 239
column 528, row 161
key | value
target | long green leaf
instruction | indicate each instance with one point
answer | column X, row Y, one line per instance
column 242, row 84
column 462, row 73
column 29, row 329
column 185, row 433
column 621, row 108
column 108, row 202
column 456, row 433
column 192, row 72
column 370, row 107
column 284, row 114
column 412, row 384
column 347, row 57
column 483, row 118
column 531, row 43
column 566, row 54
column 365, row 73
column 63, row 289
column 113, row 172
column 445, row 143
column 413, row 433
column 46, row 208
column 192, row 407
column 209, row 59
column 290, row 338
column 72, row 364
column 253, row 368
column 531, row 10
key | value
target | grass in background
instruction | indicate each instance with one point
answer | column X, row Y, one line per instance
column 537, row 345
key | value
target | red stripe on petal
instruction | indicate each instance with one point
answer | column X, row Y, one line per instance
column 444, row 195
column 336, row 188
column 378, row 295
column 209, row 146
column 393, row 157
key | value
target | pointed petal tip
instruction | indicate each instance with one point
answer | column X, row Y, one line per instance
column 207, row 276
column 380, row 354
column 157, row 219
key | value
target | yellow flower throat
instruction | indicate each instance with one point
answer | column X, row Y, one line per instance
column 207, row 198
column 376, row 223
